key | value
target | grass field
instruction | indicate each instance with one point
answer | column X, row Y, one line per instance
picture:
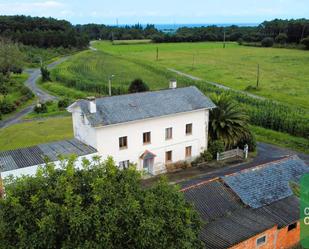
column 35, row 132
column 284, row 74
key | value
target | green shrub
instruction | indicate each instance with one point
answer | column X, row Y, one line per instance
column 248, row 139
column 3, row 89
column 138, row 85
column 63, row 103
column 267, row 42
column 6, row 107
column 45, row 74
column 305, row 42
column 214, row 147
column 25, row 91
column 40, row 108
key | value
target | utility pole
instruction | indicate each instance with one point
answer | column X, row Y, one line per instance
column 224, row 39
column 258, row 76
column 157, row 54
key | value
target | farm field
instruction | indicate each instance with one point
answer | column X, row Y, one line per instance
column 284, row 74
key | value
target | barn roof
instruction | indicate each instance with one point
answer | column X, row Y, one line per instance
column 35, row 155
column 268, row 183
column 138, row 106
column 229, row 221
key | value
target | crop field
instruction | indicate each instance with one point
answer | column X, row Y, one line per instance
column 89, row 71
column 284, row 74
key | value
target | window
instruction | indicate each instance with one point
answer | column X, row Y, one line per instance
column 168, row 156
column 188, row 129
column 292, row 226
column 188, row 151
column 124, row 164
column 168, row 133
column 261, row 241
column 123, row 142
column 146, row 137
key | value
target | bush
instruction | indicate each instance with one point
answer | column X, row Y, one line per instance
column 214, row 147
column 63, row 103
column 267, row 42
column 138, row 85
column 305, row 42
column 3, row 89
column 40, row 108
column 248, row 139
column 6, row 107
column 25, row 91
column 281, row 38
column 45, row 74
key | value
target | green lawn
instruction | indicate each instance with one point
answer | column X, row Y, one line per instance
column 35, row 132
column 284, row 72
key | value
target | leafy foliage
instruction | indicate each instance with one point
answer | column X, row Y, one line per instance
column 138, row 85
column 98, row 206
column 45, row 74
column 216, row 146
column 305, row 42
column 267, row 42
column 40, row 108
column 227, row 122
column 64, row 103
column 10, row 57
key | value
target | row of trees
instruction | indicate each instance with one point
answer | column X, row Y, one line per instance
column 41, row 32
column 49, row 32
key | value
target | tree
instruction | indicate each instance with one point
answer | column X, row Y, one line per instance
column 267, row 42
column 305, row 42
column 10, row 57
column 138, row 85
column 228, row 122
column 281, row 38
column 45, row 74
column 98, row 206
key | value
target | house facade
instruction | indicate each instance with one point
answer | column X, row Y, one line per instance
column 149, row 129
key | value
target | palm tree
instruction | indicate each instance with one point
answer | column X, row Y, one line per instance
column 228, row 122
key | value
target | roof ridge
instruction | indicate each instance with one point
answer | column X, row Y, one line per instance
column 264, row 165
column 199, row 184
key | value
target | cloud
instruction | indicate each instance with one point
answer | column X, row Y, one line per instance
column 32, row 8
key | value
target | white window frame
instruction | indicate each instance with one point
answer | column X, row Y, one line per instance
column 262, row 243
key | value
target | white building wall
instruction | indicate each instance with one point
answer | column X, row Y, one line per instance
column 83, row 131
column 31, row 171
column 108, row 138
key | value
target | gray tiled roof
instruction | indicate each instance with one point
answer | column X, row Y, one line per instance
column 35, row 155
column 229, row 222
column 268, row 183
column 137, row 106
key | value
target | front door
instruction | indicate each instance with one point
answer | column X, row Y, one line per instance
column 148, row 164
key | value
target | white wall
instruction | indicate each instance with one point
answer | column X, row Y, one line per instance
column 108, row 138
column 31, row 171
column 83, row 131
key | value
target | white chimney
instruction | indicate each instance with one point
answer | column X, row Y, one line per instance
column 92, row 105
column 173, row 84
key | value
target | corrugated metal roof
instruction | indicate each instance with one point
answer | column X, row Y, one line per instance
column 269, row 183
column 35, row 155
column 138, row 106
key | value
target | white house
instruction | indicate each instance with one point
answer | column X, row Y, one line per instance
column 149, row 129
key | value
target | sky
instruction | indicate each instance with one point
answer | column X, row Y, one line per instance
column 159, row 11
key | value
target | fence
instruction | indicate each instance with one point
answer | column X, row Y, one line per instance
column 233, row 153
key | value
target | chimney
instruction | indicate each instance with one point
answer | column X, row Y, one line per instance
column 173, row 84
column 92, row 105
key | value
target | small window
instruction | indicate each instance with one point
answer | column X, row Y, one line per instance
column 188, row 151
column 123, row 142
column 261, row 241
column 146, row 137
column 188, row 129
column 292, row 226
column 168, row 156
column 168, row 133
column 124, row 164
